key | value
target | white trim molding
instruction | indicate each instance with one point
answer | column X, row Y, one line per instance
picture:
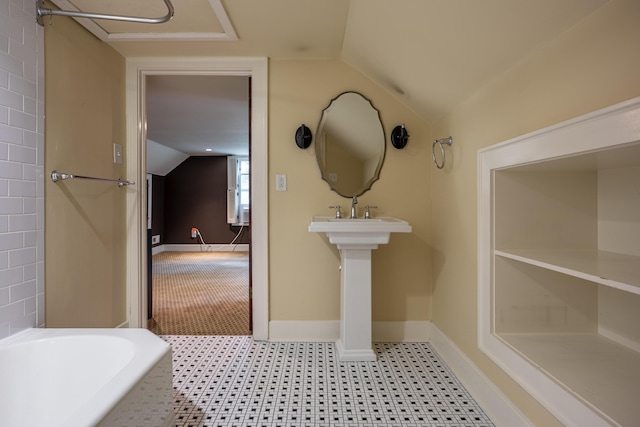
column 209, row 247
column 329, row 330
column 136, row 275
column 304, row 331
column 407, row 331
column 497, row 406
column 617, row 125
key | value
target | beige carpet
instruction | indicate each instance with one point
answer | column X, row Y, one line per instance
column 201, row 293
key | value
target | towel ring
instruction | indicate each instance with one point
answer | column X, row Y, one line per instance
column 439, row 142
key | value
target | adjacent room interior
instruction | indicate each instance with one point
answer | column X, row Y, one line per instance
column 198, row 181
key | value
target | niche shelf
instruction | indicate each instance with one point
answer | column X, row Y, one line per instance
column 559, row 264
column 603, row 267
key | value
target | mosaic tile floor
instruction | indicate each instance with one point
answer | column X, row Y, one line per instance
column 235, row 381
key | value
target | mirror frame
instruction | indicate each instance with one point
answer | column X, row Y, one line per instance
column 376, row 175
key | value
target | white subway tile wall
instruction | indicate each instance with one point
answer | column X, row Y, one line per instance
column 21, row 167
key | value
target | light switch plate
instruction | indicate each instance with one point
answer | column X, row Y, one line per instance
column 117, row 154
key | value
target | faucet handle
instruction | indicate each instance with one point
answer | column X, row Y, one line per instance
column 338, row 209
column 367, row 213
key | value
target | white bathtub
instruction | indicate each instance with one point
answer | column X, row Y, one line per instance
column 85, row 377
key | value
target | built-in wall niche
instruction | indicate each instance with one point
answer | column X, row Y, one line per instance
column 559, row 264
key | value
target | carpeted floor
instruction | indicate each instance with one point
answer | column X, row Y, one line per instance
column 201, row 293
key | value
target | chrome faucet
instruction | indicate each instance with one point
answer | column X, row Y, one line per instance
column 354, row 202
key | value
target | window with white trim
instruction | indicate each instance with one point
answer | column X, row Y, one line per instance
column 238, row 190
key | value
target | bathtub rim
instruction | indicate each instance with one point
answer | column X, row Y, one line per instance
column 149, row 350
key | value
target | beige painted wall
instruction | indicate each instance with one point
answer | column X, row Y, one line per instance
column 595, row 64
column 305, row 281
column 84, row 250
column 84, row 220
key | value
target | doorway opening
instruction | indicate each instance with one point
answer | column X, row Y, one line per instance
column 137, row 274
column 198, row 204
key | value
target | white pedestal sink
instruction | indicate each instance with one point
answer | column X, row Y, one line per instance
column 356, row 238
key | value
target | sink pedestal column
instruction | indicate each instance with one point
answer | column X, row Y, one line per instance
column 355, row 304
column 356, row 238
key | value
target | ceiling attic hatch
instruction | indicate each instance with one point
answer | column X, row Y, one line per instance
column 199, row 20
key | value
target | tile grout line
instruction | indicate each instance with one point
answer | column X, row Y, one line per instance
column 237, row 381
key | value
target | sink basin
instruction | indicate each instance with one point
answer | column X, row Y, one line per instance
column 356, row 238
column 358, row 232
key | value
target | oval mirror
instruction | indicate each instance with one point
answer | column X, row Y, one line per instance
column 350, row 144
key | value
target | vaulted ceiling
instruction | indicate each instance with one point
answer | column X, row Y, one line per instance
column 430, row 54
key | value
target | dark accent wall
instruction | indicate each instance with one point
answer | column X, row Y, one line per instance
column 195, row 195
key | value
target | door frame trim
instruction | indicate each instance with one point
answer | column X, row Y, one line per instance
column 136, row 275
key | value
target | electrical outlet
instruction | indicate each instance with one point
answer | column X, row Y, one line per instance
column 281, row 182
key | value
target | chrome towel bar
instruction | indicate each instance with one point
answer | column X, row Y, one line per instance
column 42, row 11
column 61, row 176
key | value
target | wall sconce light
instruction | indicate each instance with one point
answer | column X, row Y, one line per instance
column 399, row 137
column 303, row 137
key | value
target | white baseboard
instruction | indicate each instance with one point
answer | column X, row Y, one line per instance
column 304, row 331
column 408, row 331
column 243, row 247
column 497, row 406
column 329, row 330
